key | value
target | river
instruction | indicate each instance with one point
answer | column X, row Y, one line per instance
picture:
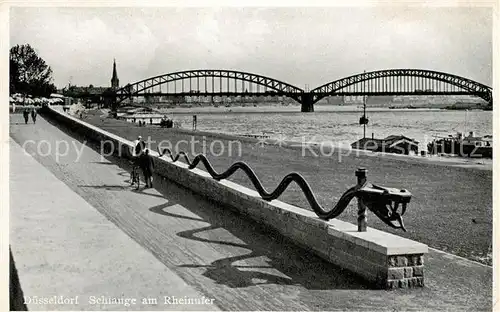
column 336, row 124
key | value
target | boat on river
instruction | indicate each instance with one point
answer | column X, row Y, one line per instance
column 463, row 146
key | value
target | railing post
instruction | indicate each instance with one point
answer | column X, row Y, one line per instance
column 361, row 176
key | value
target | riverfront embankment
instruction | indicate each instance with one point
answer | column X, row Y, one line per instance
column 451, row 208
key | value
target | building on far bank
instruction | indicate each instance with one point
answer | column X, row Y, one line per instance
column 396, row 144
column 135, row 114
column 91, row 94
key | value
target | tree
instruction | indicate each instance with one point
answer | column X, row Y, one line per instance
column 29, row 74
column 14, row 76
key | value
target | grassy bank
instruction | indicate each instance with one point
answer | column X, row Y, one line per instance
column 451, row 208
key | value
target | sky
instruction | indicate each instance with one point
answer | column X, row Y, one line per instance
column 302, row 45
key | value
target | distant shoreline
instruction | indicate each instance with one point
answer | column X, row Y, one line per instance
column 287, row 109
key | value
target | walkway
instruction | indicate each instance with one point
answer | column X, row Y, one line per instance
column 77, row 229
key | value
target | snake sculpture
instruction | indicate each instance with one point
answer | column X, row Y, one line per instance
column 383, row 202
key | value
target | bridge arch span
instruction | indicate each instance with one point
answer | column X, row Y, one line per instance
column 275, row 85
column 339, row 86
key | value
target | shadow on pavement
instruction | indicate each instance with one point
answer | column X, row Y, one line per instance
column 121, row 188
column 102, row 163
column 107, row 187
column 16, row 296
column 298, row 265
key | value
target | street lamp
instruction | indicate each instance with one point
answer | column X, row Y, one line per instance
column 364, row 120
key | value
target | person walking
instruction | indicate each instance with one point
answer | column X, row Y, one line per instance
column 139, row 146
column 147, row 165
column 26, row 115
column 33, row 115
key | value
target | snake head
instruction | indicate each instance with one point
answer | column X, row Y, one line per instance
column 384, row 202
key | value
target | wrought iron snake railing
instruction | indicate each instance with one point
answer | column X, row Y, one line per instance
column 382, row 201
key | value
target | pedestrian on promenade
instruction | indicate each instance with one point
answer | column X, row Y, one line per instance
column 147, row 165
column 26, row 115
column 139, row 146
column 33, row 115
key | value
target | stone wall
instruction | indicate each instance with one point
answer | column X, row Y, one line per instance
column 386, row 260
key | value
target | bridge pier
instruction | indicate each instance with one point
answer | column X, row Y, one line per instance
column 307, row 103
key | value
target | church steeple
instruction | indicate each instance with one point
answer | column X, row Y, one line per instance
column 115, row 82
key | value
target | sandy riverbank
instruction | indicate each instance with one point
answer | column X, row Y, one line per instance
column 328, row 148
column 451, row 208
column 223, row 122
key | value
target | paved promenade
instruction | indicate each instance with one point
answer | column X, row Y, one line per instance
column 78, row 229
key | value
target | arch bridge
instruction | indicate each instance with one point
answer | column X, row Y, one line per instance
column 208, row 82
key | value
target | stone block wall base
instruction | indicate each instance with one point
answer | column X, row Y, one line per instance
column 405, row 271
